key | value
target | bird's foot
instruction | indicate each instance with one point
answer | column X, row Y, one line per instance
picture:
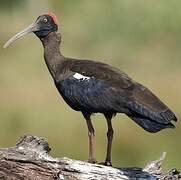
column 92, row 161
column 106, row 163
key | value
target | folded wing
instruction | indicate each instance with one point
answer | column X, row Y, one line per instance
column 98, row 87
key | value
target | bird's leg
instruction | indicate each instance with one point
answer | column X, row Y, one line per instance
column 110, row 133
column 91, row 136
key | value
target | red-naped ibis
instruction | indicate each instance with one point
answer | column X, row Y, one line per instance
column 95, row 87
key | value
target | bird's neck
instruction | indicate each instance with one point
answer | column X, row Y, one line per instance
column 52, row 54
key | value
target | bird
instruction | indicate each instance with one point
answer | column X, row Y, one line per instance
column 90, row 86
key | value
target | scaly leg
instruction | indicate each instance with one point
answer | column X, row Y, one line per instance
column 110, row 133
column 91, row 136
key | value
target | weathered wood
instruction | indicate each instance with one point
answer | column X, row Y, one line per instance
column 30, row 160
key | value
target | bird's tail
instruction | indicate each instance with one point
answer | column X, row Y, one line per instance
column 149, row 124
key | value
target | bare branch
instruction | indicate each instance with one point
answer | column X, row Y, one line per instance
column 30, row 160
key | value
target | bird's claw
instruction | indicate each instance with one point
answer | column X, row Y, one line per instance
column 92, row 161
column 106, row 163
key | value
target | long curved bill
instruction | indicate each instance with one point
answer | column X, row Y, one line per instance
column 31, row 28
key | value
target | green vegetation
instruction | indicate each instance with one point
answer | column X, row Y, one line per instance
column 143, row 38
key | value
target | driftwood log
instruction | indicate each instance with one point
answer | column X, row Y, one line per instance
column 30, row 160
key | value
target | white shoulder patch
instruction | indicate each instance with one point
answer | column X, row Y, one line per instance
column 80, row 76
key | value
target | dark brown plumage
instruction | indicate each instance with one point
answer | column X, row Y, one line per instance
column 94, row 87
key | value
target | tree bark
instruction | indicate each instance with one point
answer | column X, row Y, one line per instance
column 30, row 160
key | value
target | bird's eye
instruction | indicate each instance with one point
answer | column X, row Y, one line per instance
column 45, row 20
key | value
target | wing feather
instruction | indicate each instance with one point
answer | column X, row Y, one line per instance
column 110, row 89
column 145, row 103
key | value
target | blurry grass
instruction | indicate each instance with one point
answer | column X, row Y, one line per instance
column 142, row 38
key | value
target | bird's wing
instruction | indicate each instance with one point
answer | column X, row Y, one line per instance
column 143, row 102
column 114, row 90
column 100, row 71
column 91, row 86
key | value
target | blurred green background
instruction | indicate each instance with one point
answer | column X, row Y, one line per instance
column 143, row 38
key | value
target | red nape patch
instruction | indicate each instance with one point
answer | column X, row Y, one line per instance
column 53, row 17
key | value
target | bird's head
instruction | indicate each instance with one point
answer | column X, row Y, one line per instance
column 43, row 25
